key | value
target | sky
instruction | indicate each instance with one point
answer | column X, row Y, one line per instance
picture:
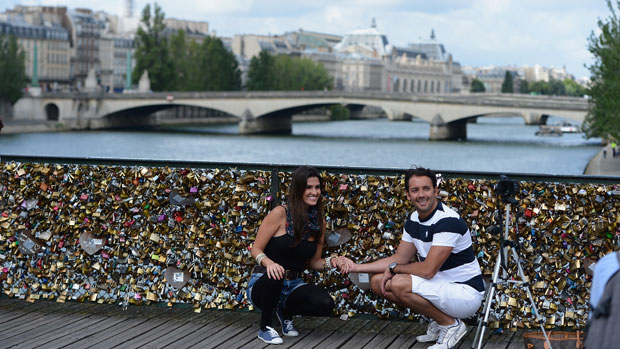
column 476, row 32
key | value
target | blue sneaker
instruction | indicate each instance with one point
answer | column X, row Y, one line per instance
column 288, row 328
column 270, row 336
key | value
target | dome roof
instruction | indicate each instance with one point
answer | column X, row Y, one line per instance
column 369, row 39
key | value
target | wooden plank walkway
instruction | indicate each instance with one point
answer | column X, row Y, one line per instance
column 45, row 324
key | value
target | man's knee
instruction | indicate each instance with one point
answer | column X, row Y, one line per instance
column 401, row 284
column 375, row 284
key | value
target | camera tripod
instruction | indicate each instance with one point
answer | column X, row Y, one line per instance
column 502, row 262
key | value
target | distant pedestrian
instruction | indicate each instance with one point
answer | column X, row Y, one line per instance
column 1, row 125
column 613, row 149
column 604, row 153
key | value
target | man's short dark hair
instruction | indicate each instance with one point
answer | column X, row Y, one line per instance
column 420, row 172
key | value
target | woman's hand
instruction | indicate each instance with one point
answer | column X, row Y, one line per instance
column 275, row 271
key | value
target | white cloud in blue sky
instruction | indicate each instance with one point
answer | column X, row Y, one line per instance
column 476, row 32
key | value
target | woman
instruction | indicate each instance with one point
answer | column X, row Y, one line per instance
column 290, row 239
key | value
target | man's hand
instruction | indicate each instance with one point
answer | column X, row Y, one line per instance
column 345, row 265
column 387, row 276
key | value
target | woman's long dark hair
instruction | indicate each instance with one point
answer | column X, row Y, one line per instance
column 296, row 202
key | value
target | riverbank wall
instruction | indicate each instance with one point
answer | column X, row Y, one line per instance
column 180, row 233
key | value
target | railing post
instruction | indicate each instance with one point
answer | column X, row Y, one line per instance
column 274, row 191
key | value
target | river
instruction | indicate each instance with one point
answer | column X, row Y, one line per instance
column 493, row 145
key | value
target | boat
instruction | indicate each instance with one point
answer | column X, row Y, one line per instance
column 558, row 129
column 567, row 127
column 549, row 130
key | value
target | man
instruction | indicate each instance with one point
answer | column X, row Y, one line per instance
column 446, row 285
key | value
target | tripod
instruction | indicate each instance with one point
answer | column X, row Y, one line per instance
column 502, row 262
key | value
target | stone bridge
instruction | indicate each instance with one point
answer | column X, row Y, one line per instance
column 271, row 112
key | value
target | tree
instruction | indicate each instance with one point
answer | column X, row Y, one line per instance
column 152, row 51
column 339, row 112
column 603, row 119
column 218, row 67
column 12, row 70
column 572, row 88
column 539, row 87
column 556, row 88
column 181, row 62
column 285, row 73
column 477, row 86
column 507, row 84
column 261, row 72
column 523, row 87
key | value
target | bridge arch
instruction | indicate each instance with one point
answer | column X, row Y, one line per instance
column 52, row 113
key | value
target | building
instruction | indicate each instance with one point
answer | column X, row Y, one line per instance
column 371, row 63
column 86, row 31
column 75, row 42
column 250, row 45
column 304, row 40
column 47, row 43
column 493, row 77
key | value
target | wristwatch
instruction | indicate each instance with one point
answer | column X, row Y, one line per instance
column 392, row 266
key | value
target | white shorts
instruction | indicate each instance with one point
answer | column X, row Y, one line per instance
column 457, row 300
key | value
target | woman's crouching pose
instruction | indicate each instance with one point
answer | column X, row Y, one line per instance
column 290, row 239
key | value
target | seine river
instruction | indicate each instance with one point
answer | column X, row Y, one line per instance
column 493, row 145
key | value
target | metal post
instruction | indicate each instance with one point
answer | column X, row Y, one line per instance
column 128, row 71
column 274, row 190
column 35, row 66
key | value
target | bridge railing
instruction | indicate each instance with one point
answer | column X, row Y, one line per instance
column 146, row 231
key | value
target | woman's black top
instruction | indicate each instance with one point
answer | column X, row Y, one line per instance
column 282, row 249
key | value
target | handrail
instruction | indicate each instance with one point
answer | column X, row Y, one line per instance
column 390, row 171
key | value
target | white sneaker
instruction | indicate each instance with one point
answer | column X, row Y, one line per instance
column 450, row 335
column 432, row 333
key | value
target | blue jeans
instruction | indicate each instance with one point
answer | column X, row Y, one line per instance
column 288, row 288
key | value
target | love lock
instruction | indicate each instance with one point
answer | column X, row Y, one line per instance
column 90, row 243
column 338, row 237
column 176, row 277
column 28, row 244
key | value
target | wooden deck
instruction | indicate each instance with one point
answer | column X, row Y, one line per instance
column 86, row 325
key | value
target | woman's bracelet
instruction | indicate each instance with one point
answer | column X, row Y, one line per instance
column 260, row 257
column 328, row 262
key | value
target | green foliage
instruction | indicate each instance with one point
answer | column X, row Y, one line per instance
column 567, row 87
column 507, row 84
column 152, row 51
column 572, row 88
column 217, row 67
column 261, row 72
column 539, row 87
column 339, row 112
column 180, row 64
column 285, row 73
column 603, row 119
column 477, row 86
column 523, row 87
column 203, row 67
column 556, row 88
column 12, row 69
